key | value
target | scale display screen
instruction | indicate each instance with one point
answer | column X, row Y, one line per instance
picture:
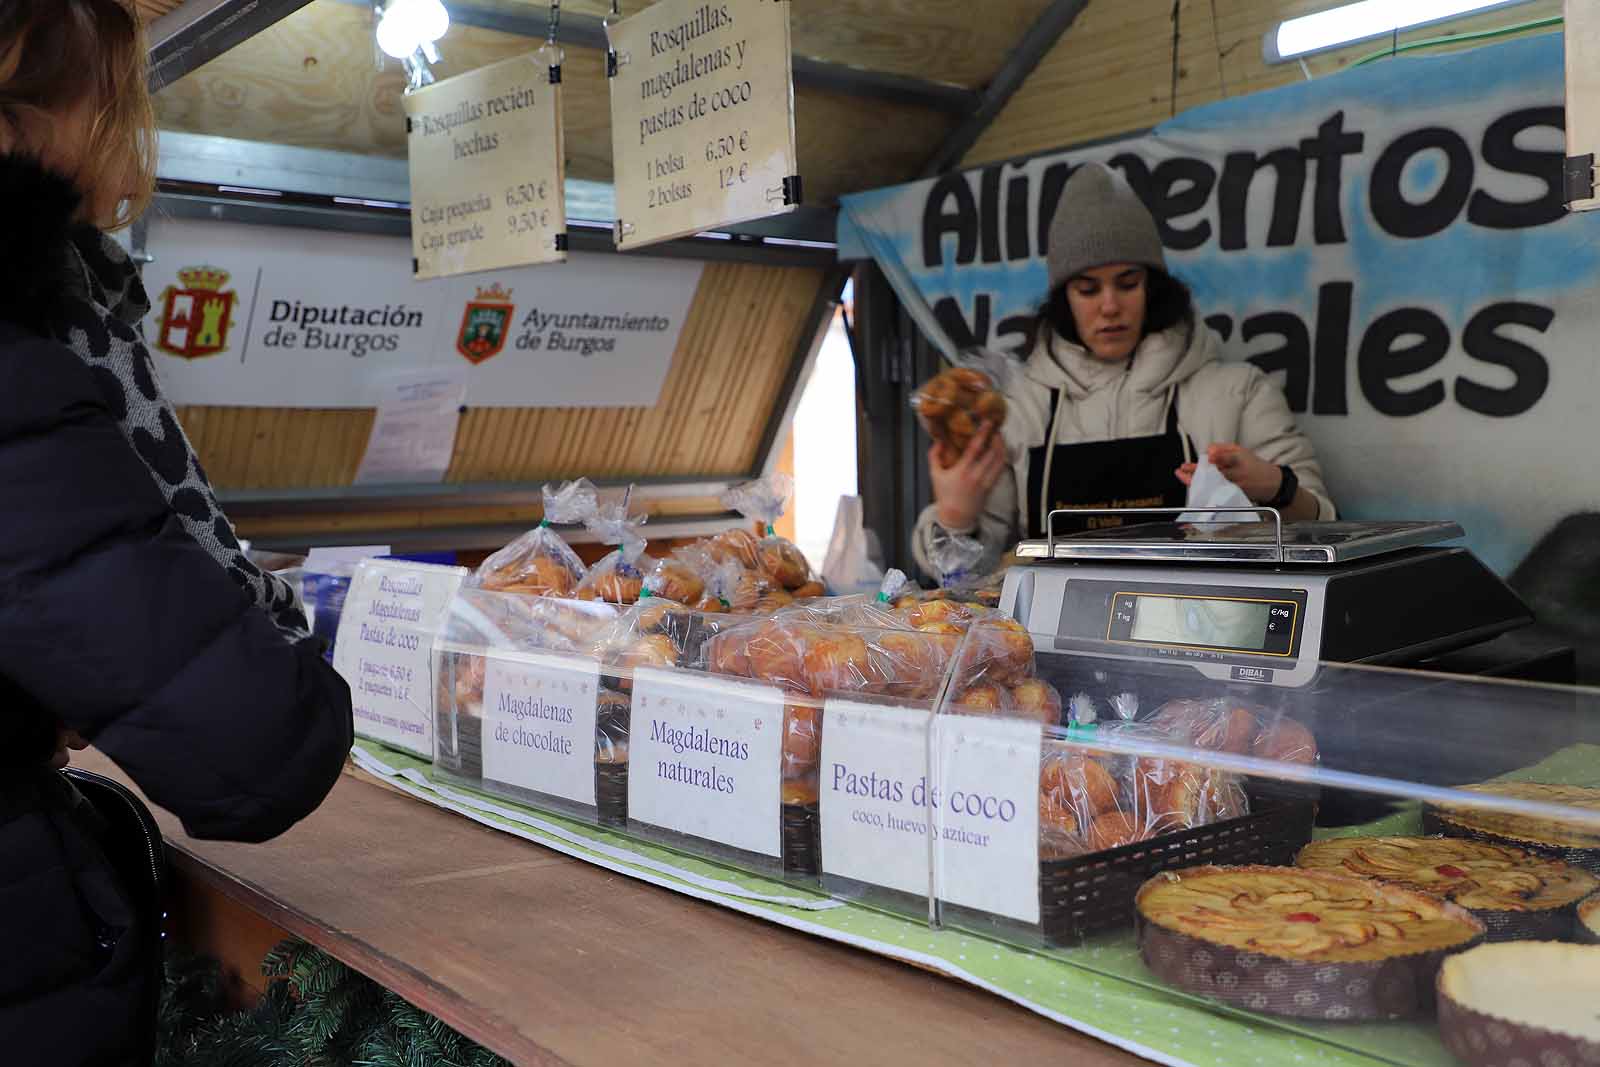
column 1264, row 627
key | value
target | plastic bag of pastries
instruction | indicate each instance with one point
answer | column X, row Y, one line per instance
column 681, row 577
column 540, row 562
column 1082, row 807
column 1170, row 795
column 763, row 501
column 1236, row 728
column 994, row 673
column 956, row 402
column 618, row 578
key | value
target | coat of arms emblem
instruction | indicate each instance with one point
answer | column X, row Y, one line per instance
column 196, row 313
column 486, row 324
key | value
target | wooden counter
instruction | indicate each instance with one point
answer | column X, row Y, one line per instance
column 546, row 959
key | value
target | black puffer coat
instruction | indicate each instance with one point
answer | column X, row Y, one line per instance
column 114, row 622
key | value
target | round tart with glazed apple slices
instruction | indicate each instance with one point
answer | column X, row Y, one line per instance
column 1516, row 893
column 1577, row 843
column 1288, row 941
column 1527, row 1002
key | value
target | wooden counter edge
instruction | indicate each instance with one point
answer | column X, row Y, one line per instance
column 395, row 975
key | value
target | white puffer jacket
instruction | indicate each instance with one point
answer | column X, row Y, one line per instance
column 1218, row 403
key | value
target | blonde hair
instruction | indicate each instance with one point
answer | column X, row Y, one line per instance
column 59, row 56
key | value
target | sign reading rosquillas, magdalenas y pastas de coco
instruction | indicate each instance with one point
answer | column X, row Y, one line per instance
column 702, row 117
column 257, row 315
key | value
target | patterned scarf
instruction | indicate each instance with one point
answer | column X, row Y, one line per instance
column 103, row 328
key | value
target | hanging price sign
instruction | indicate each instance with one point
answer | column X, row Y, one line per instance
column 702, row 117
column 487, row 167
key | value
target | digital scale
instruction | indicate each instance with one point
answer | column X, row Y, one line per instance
column 1260, row 602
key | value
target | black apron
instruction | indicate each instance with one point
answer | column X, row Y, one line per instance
column 1130, row 472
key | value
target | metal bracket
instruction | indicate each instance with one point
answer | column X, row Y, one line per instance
column 561, row 242
column 792, row 190
column 1578, row 177
column 409, row 124
column 612, row 62
column 555, row 74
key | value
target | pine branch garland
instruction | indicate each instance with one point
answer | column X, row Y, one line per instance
column 316, row 1013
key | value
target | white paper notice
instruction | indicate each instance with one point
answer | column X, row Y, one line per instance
column 414, row 435
column 987, row 803
column 705, row 758
column 874, row 795
column 385, row 648
column 538, row 723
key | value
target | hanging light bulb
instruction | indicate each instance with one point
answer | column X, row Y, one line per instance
column 407, row 25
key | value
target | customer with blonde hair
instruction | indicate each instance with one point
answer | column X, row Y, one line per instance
column 129, row 616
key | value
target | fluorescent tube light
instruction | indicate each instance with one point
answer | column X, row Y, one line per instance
column 1363, row 21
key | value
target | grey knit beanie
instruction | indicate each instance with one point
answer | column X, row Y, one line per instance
column 1100, row 220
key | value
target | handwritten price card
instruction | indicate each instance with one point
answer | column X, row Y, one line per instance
column 384, row 649
column 705, row 758
column 702, row 117
column 487, row 166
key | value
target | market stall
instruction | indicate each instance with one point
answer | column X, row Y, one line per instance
column 635, row 778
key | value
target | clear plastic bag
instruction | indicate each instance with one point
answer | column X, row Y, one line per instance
column 618, row 578
column 814, row 659
column 763, row 501
column 956, row 402
column 953, row 557
column 1237, row 728
column 540, row 562
column 676, row 578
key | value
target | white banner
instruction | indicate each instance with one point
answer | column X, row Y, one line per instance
column 266, row 316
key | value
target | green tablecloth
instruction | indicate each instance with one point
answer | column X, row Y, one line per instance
column 1100, row 988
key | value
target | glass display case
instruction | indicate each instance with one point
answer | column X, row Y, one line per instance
column 1311, row 854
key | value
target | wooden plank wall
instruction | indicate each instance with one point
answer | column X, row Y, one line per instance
column 727, row 371
column 1112, row 71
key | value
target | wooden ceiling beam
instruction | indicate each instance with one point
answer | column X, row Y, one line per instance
column 1040, row 38
column 588, row 31
column 199, row 31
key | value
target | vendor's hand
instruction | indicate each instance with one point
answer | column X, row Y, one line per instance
column 961, row 484
column 1185, row 473
column 1259, row 479
column 66, row 739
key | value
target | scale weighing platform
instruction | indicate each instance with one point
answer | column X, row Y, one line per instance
column 1259, row 602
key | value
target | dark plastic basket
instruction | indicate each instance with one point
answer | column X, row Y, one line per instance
column 1087, row 894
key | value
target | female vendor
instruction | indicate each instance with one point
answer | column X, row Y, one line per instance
column 1120, row 395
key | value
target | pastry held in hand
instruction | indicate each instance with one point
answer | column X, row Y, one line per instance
column 955, row 402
